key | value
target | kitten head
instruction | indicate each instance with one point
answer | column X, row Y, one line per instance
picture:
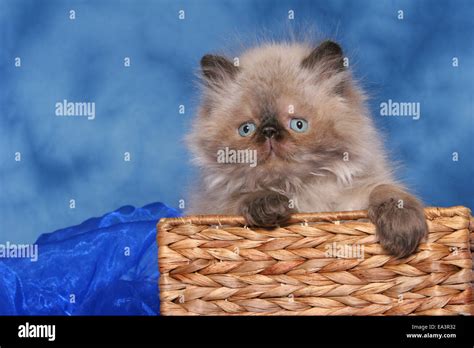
column 296, row 106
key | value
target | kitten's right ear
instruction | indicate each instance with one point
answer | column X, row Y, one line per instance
column 217, row 69
column 328, row 53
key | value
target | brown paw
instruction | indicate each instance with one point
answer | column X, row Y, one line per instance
column 400, row 222
column 266, row 209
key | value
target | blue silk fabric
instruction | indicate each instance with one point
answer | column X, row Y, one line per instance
column 104, row 266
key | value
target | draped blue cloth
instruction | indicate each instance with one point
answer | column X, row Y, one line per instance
column 104, row 266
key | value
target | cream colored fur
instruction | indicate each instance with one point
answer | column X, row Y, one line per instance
column 273, row 72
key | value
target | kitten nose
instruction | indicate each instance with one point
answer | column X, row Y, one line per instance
column 269, row 132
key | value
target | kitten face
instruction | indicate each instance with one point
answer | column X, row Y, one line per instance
column 296, row 107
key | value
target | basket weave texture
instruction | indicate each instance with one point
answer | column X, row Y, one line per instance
column 215, row 265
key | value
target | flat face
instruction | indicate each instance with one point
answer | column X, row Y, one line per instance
column 296, row 118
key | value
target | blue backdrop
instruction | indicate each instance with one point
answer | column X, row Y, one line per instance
column 81, row 59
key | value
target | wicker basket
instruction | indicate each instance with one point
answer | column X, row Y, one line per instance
column 215, row 265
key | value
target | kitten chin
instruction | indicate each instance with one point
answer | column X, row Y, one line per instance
column 288, row 130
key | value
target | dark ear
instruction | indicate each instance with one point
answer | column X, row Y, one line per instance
column 328, row 53
column 217, row 68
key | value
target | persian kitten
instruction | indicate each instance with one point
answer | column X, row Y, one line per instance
column 287, row 130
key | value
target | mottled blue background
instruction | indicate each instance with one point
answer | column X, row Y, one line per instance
column 137, row 107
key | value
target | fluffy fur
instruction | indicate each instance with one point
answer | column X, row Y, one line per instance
column 338, row 164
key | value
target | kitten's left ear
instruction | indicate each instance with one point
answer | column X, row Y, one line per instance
column 217, row 69
column 328, row 53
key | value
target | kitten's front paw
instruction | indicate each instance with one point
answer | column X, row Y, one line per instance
column 267, row 209
column 400, row 223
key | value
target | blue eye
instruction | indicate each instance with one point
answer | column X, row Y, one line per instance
column 299, row 125
column 246, row 129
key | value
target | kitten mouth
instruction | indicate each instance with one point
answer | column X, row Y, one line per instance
column 270, row 145
column 270, row 150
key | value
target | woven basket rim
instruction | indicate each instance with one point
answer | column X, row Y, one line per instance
column 430, row 212
column 197, row 260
